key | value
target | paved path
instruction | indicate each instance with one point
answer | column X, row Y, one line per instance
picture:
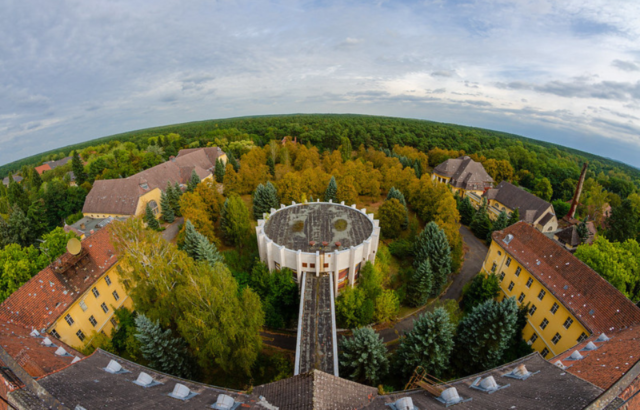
column 476, row 252
column 172, row 230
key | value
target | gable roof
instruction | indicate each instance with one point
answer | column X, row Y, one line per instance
column 41, row 301
column 43, row 168
column 58, row 163
column 465, row 173
column 530, row 207
column 609, row 362
column 316, row 390
column 570, row 235
column 591, row 299
column 16, row 178
column 120, row 196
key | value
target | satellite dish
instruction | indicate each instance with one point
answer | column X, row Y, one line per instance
column 73, row 246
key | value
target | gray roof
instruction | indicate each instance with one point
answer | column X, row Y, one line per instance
column 529, row 206
column 294, row 227
column 465, row 173
column 58, row 163
column 570, row 235
column 16, row 178
column 85, row 225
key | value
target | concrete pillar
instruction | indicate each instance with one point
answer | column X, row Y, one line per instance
column 336, row 274
column 352, row 265
column 269, row 247
column 317, row 263
column 282, row 257
column 299, row 265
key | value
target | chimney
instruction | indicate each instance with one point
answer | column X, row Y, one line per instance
column 172, row 158
column 576, row 196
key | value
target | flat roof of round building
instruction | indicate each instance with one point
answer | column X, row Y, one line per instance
column 295, row 226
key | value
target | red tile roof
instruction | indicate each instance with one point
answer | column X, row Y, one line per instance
column 604, row 366
column 41, row 301
column 43, row 168
column 591, row 299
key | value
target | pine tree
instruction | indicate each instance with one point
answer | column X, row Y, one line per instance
column 429, row 344
column 219, row 172
column 417, row 167
column 78, row 169
column 190, row 239
column 37, row 216
column 515, row 217
column 234, row 163
column 36, row 181
column 481, row 224
column 395, row 193
column 484, row 334
column 193, row 181
column 197, row 246
column 163, row 352
column 174, row 193
column 421, row 284
column 345, row 148
column 150, row 219
column 363, row 356
column 432, row 245
column 466, row 211
column 19, row 227
column 167, row 210
column 583, row 231
column 272, row 166
column 499, row 224
column 265, row 197
column 482, row 288
column 332, row 191
column 17, row 196
column 234, row 221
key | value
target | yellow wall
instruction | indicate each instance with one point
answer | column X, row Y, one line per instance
column 569, row 337
column 81, row 317
column 223, row 158
column 99, row 215
column 153, row 195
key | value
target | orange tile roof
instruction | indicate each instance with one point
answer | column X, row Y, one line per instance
column 41, row 301
column 609, row 362
column 43, row 168
column 591, row 299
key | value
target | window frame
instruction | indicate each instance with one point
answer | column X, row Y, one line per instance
column 521, row 297
column 511, row 285
column 556, row 338
column 583, row 336
column 570, row 321
column 544, row 353
column 69, row 319
column 108, row 280
column 508, row 262
column 529, row 283
column 532, row 310
column 533, row 338
column 554, row 308
column 55, row 334
column 542, row 294
column 83, row 306
column 93, row 321
column 518, row 271
column 544, row 323
column 95, row 292
column 115, row 295
column 104, row 307
column 81, row 335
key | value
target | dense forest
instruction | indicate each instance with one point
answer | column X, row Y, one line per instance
column 381, row 164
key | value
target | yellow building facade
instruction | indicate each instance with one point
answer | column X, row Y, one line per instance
column 551, row 328
column 92, row 311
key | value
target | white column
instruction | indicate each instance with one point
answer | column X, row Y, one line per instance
column 317, row 263
column 352, row 265
column 299, row 264
column 336, row 274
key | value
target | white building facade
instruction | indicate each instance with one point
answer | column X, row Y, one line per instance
column 344, row 262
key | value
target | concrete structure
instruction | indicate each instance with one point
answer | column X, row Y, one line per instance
column 319, row 237
column 568, row 300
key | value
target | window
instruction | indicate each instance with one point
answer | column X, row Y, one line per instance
column 493, row 267
column 541, row 294
column 312, row 265
column 326, row 265
column 501, row 276
column 83, row 306
column 518, row 271
column 544, row 352
column 533, row 339
column 69, row 319
column 581, row 339
column 152, row 204
column 95, row 292
column 104, row 307
column 568, row 323
column 508, row 262
column 529, row 282
column 532, row 310
column 125, row 283
column 108, row 280
column 115, row 295
column 93, row 321
column 304, row 265
column 80, row 335
column 521, row 298
column 556, row 338
column 114, row 322
column 511, row 286
column 57, row 336
column 554, row 308
column 544, row 323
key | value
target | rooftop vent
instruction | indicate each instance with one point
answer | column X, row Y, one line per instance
column 602, row 338
column 520, row 373
column 79, row 407
column 590, row 346
column 145, row 380
column 508, row 239
column 325, row 243
column 404, row 403
column 225, row 402
column 450, row 397
column 591, row 312
column 565, row 287
column 575, row 356
column 61, row 352
column 559, row 364
column 35, row 333
column 182, row 392
column 488, row 384
column 47, row 342
column 75, row 359
column 312, row 243
column 114, row 368
column 338, row 244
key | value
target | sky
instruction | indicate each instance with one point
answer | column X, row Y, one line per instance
column 565, row 71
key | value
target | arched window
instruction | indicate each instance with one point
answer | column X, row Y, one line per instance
column 154, row 207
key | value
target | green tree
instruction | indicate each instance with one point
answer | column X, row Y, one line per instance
column 624, row 222
column 543, row 189
column 482, row 288
column 174, row 193
column 481, row 224
column 484, row 334
column 193, row 181
column 150, row 219
column 345, row 148
column 514, row 217
column 167, row 210
column 278, row 292
column 432, row 244
column 54, row 244
column 37, row 216
column 392, row 215
column 235, row 222
column 429, row 344
column 332, row 191
column 265, row 197
column 353, row 309
column 363, row 356
column 17, row 196
column 395, row 193
column 561, row 208
column 162, row 351
column 466, row 211
column 421, row 284
column 498, row 225
column 78, row 168
column 19, row 227
column 272, row 166
column 387, row 306
column 231, row 159
column 219, row 172
column 199, row 247
column 17, row 266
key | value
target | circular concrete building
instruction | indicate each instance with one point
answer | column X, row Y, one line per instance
column 319, row 237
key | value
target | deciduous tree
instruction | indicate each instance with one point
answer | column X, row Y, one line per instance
column 392, row 215
column 235, row 222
